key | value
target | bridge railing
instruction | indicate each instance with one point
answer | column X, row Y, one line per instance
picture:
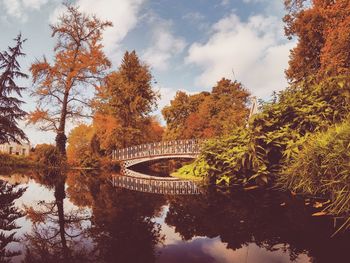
column 158, row 148
column 156, row 186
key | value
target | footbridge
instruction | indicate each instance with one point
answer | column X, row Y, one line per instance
column 156, row 151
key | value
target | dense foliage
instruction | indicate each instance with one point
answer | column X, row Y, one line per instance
column 322, row 168
column 276, row 134
column 124, row 104
column 207, row 114
column 47, row 155
column 323, row 31
column 83, row 147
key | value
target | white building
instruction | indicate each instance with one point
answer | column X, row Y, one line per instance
column 15, row 148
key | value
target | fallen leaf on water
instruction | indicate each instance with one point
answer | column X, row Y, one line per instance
column 319, row 214
column 317, row 205
column 251, row 187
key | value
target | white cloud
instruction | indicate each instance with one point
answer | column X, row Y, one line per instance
column 164, row 45
column 256, row 50
column 122, row 13
column 19, row 8
column 226, row 2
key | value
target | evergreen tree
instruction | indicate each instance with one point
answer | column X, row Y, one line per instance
column 10, row 111
column 127, row 99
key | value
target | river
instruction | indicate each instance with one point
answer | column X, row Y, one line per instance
column 82, row 216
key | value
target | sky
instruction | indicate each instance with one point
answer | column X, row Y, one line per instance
column 189, row 45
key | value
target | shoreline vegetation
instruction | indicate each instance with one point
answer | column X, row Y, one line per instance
column 298, row 143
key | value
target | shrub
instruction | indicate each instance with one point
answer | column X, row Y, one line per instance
column 322, row 168
column 7, row 161
column 47, row 155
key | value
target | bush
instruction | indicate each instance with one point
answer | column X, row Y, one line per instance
column 322, row 168
column 7, row 161
column 46, row 155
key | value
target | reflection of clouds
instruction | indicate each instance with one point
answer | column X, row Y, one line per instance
column 212, row 250
column 202, row 249
column 250, row 253
column 171, row 237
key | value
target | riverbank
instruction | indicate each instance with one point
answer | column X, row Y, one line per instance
column 12, row 161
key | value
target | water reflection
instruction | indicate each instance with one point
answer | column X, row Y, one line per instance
column 272, row 221
column 8, row 214
column 90, row 220
column 56, row 233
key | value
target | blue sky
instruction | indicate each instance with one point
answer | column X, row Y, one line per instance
column 188, row 44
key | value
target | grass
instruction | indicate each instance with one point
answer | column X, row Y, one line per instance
column 322, row 168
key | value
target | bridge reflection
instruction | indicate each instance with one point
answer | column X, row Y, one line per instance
column 156, row 185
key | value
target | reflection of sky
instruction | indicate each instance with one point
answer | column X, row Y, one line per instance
column 173, row 249
column 206, row 250
column 210, row 250
column 34, row 194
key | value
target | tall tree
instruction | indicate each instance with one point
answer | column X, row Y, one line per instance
column 62, row 87
column 128, row 97
column 10, row 111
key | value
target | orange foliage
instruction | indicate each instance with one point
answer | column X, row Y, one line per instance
column 323, row 31
column 124, row 104
column 105, row 126
column 62, row 87
column 206, row 115
column 79, row 141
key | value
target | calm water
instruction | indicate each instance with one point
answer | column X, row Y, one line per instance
column 82, row 217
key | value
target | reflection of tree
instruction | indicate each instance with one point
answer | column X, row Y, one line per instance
column 56, row 235
column 243, row 218
column 122, row 227
column 8, row 214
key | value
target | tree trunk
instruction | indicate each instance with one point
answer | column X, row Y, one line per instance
column 61, row 138
column 60, row 196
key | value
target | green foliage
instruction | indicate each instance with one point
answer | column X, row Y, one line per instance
column 274, row 136
column 234, row 160
column 322, row 168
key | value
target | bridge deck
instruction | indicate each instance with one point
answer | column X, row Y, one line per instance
column 179, row 147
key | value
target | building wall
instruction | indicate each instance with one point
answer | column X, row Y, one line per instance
column 15, row 148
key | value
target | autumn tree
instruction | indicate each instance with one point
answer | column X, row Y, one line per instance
column 207, row 115
column 63, row 86
column 322, row 28
column 127, row 100
column 10, row 111
column 81, row 143
column 177, row 113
